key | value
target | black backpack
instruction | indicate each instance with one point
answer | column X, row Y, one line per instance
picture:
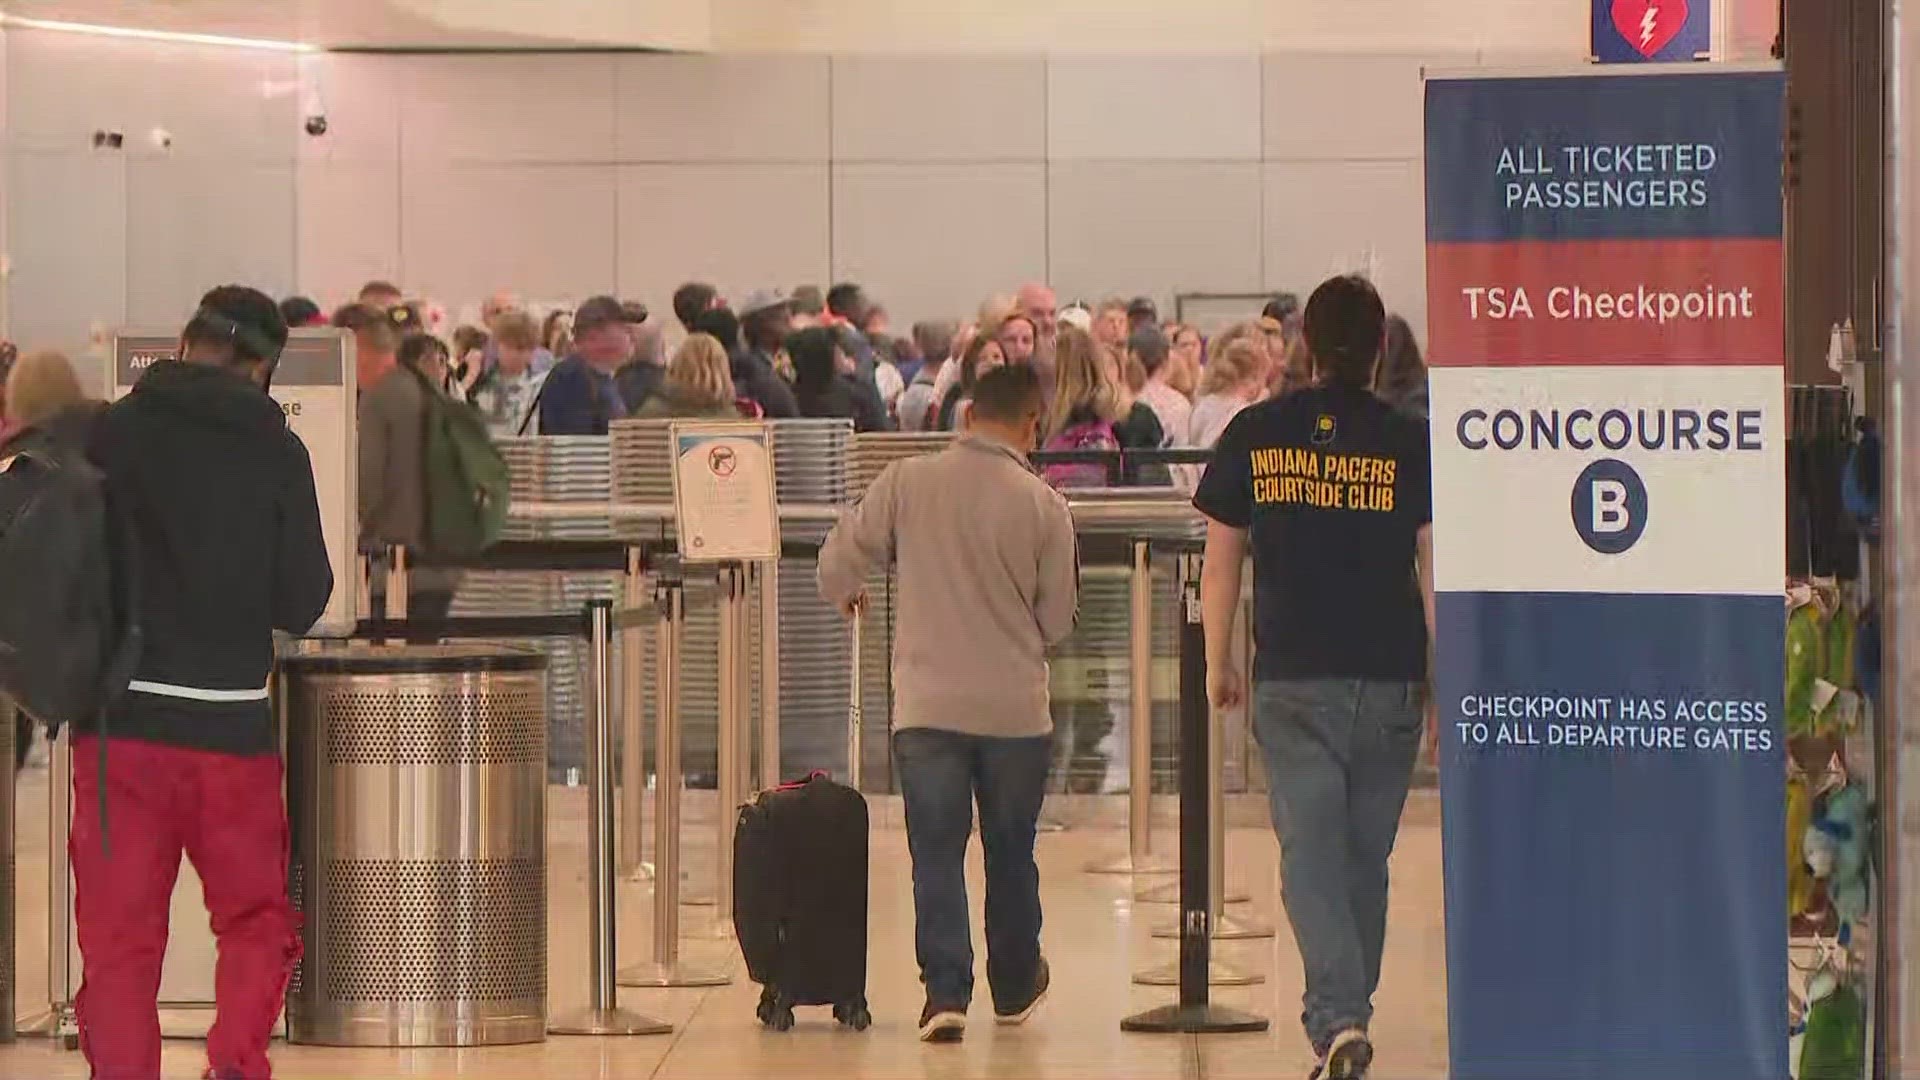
column 65, row 652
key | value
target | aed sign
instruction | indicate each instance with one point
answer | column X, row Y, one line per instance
column 1649, row 31
column 314, row 386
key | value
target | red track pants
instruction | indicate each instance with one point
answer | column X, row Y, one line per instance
column 226, row 813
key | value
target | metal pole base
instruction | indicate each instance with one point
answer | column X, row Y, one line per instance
column 1123, row 864
column 1198, row 1020
column 1225, row 928
column 614, row 1021
column 1218, row 974
column 676, row 974
column 58, row 1023
column 1169, row 893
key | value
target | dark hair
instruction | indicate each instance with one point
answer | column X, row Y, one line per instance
column 469, row 338
column 245, row 322
column 370, row 325
column 377, row 287
column 1345, row 319
column 691, row 299
column 1143, row 309
column 416, row 348
column 846, row 300
column 1008, row 393
column 1281, row 308
column 812, row 352
column 722, row 324
column 1150, row 345
column 1402, row 369
column 765, row 329
column 299, row 311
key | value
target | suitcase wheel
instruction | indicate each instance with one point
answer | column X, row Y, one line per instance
column 774, row 1013
column 854, row 1016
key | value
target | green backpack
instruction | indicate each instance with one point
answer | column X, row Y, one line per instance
column 468, row 485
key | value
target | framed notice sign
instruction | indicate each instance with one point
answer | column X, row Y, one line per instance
column 314, row 384
column 723, row 495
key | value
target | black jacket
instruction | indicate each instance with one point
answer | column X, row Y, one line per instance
column 216, row 498
column 844, row 397
column 755, row 379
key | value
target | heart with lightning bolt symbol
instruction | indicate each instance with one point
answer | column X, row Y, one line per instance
column 1649, row 25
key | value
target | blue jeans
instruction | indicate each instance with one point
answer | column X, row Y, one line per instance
column 1339, row 756
column 942, row 775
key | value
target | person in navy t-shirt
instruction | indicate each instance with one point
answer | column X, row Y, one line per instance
column 1330, row 490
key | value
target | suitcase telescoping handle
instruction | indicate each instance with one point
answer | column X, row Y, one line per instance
column 854, row 711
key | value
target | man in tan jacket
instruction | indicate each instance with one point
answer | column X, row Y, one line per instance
column 989, row 578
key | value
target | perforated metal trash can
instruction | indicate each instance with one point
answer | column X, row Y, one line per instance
column 416, row 788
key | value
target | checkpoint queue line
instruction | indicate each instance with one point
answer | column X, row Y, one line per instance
column 641, row 560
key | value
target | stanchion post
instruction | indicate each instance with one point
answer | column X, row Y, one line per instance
column 1194, row 1013
column 1225, row 927
column 727, row 741
column 57, row 1020
column 603, row 1015
column 770, row 776
column 1140, row 858
column 856, row 708
column 665, row 968
column 633, row 766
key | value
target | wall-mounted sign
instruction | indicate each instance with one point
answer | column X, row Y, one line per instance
column 314, row 384
column 1645, row 31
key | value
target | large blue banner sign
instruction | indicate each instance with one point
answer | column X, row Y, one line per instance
column 1604, row 277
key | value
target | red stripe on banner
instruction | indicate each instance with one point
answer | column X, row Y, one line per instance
column 1605, row 302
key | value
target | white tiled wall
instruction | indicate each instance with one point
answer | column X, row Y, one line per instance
column 100, row 238
column 934, row 179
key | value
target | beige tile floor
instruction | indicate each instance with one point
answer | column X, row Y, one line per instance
column 1096, row 937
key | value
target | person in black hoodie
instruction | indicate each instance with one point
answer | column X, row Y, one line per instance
column 825, row 385
column 215, row 499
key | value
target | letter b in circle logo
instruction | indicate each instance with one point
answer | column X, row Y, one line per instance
column 1609, row 506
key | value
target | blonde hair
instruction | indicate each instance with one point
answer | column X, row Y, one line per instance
column 997, row 309
column 516, row 330
column 1080, row 381
column 1240, row 331
column 700, row 372
column 40, row 385
column 1233, row 367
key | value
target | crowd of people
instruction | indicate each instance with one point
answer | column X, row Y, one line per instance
column 1113, row 373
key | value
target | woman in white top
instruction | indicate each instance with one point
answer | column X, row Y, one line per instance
column 1235, row 378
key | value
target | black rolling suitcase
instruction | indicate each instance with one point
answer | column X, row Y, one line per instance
column 800, row 899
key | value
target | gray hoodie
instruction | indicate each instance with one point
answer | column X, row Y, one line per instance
column 988, row 575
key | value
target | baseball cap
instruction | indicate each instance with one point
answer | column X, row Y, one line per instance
column 760, row 300
column 600, row 311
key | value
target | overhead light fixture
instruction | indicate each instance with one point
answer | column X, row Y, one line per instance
column 155, row 35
